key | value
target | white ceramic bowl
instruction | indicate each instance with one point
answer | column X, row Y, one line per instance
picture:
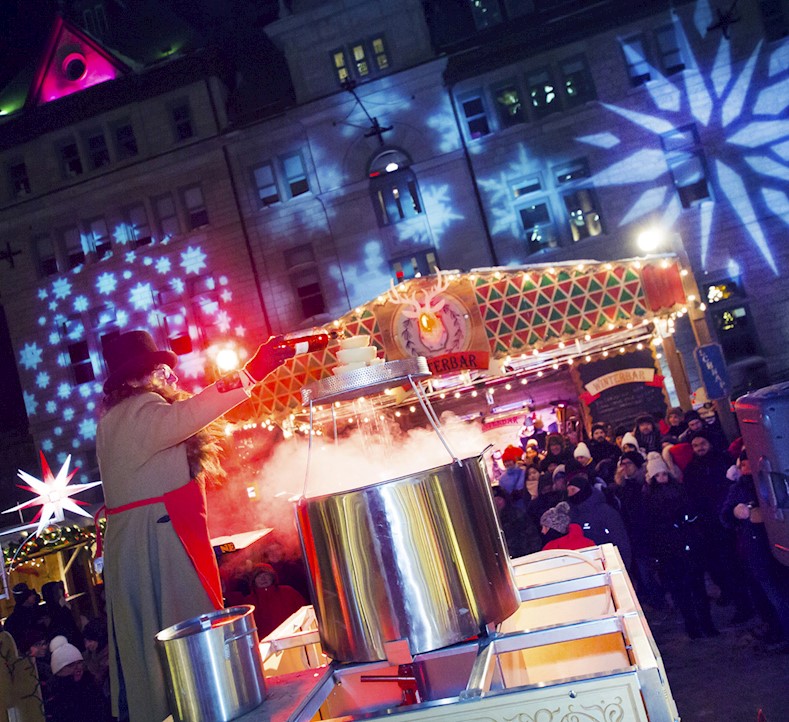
column 355, row 341
column 354, row 355
column 341, row 369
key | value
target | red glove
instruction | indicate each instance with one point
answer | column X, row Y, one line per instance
column 270, row 355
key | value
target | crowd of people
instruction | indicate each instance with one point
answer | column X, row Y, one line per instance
column 54, row 664
column 674, row 496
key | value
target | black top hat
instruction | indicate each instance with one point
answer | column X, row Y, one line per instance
column 131, row 355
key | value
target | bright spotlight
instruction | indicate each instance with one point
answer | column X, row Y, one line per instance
column 651, row 239
column 227, row 360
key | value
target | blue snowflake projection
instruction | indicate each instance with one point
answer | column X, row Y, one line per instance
column 504, row 216
column 439, row 210
column 744, row 105
column 361, row 283
column 120, row 295
column 30, row 355
column 193, row 260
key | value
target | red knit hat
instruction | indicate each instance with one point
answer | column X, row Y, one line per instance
column 512, row 453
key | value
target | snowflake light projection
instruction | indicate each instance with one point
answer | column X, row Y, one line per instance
column 744, row 107
column 53, row 494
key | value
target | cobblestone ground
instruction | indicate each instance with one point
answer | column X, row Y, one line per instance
column 722, row 679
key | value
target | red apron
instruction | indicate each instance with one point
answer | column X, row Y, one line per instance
column 186, row 508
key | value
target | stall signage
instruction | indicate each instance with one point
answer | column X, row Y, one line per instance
column 626, row 376
column 507, row 421
column 712, row 367
column 452, row 363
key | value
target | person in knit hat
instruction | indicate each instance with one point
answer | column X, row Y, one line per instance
column 601, row 448
column 556, row 452
column 675, row 421
column 513, row 480
column 582, row 454
column 647, row 433
column 72, row 694
column 655, row 464
column 26, row 613
column 560, row 532
column 629, row 442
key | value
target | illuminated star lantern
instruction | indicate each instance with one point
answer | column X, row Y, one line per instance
column 53, row 494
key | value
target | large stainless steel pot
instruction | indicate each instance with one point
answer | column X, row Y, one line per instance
column 213, row 666
column 420, row 558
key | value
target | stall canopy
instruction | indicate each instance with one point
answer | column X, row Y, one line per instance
column 487, row 317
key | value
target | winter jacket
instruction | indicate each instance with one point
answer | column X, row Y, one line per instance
column 670, row 522
column 706, row 483
column 603, row 450
column 574, row 539
column 601, row 522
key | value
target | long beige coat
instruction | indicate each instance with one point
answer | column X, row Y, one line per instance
column 150, row 581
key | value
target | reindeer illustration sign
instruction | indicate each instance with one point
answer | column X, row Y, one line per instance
column 436, row 317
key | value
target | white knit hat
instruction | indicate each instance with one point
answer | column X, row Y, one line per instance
column 582, row 450
column 63, row 653
column 655, row 464
column 629, row 438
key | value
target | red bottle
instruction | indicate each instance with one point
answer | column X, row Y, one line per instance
column 301, row 342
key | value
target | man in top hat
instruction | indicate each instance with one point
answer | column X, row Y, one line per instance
column 156, row 445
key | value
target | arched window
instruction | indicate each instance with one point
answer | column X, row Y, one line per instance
column 394, row 187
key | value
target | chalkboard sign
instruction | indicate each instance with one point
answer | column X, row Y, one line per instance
column 619, row 388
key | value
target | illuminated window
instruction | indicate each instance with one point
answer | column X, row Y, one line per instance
column 70, row 162
column 576, row 81
column 379, row 53
column 167, row 216
column 98, row 153
column 182, row 122
column 476, row 116
column 579, row 200
column 72, row 245
column 340, row 63
column 486, row 13
column 736, row 333
column 305, row 280
column 396, row 196
column 295, row 174
column 173, row 308
column 533, row 209
column 669, row 54
column 687, row 165
column 360, row 64
column 636, row 62
column 18, row 180
column 45, row 255
column 98, row 238
column 509, row 105
column 138, row 226
column 542, row 93
column 422, row 263
column 194, row 203
column 125, row 141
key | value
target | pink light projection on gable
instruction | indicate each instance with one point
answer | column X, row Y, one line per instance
column 71, row 63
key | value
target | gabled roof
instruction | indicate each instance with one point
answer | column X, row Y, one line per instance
column 71, row 62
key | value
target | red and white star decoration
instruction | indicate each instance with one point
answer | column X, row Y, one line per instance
column 53, row 494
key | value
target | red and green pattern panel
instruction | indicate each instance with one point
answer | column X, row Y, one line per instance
column 523, row 310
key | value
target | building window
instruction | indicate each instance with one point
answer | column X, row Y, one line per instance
column 305, row 280
column 686, row 163
column 46, row 256
column 669, row 54
column 360, row 64
column 542, row 93
column 476, row 116
column 533, row 208
column 379, row 53
column 266, row 185
column 98, row 152
column 509, row 105
column 72, row 245
column 638, row 69
column 295, row 174
column 174, row 315
column 422, row 263
column 196, row 212
column 774, row 19
column 138, row 228
column 70, row 162
column 576, row 81
column 182, row 122
column 167, row 216
column 396, row 196
column 579, row 200
column 78, row 350
column 125, row 141
column 340, row 63
column 99, row 238
column 486, row 13
column 18, row 180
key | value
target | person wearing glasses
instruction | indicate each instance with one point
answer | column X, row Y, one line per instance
column 157, row 447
